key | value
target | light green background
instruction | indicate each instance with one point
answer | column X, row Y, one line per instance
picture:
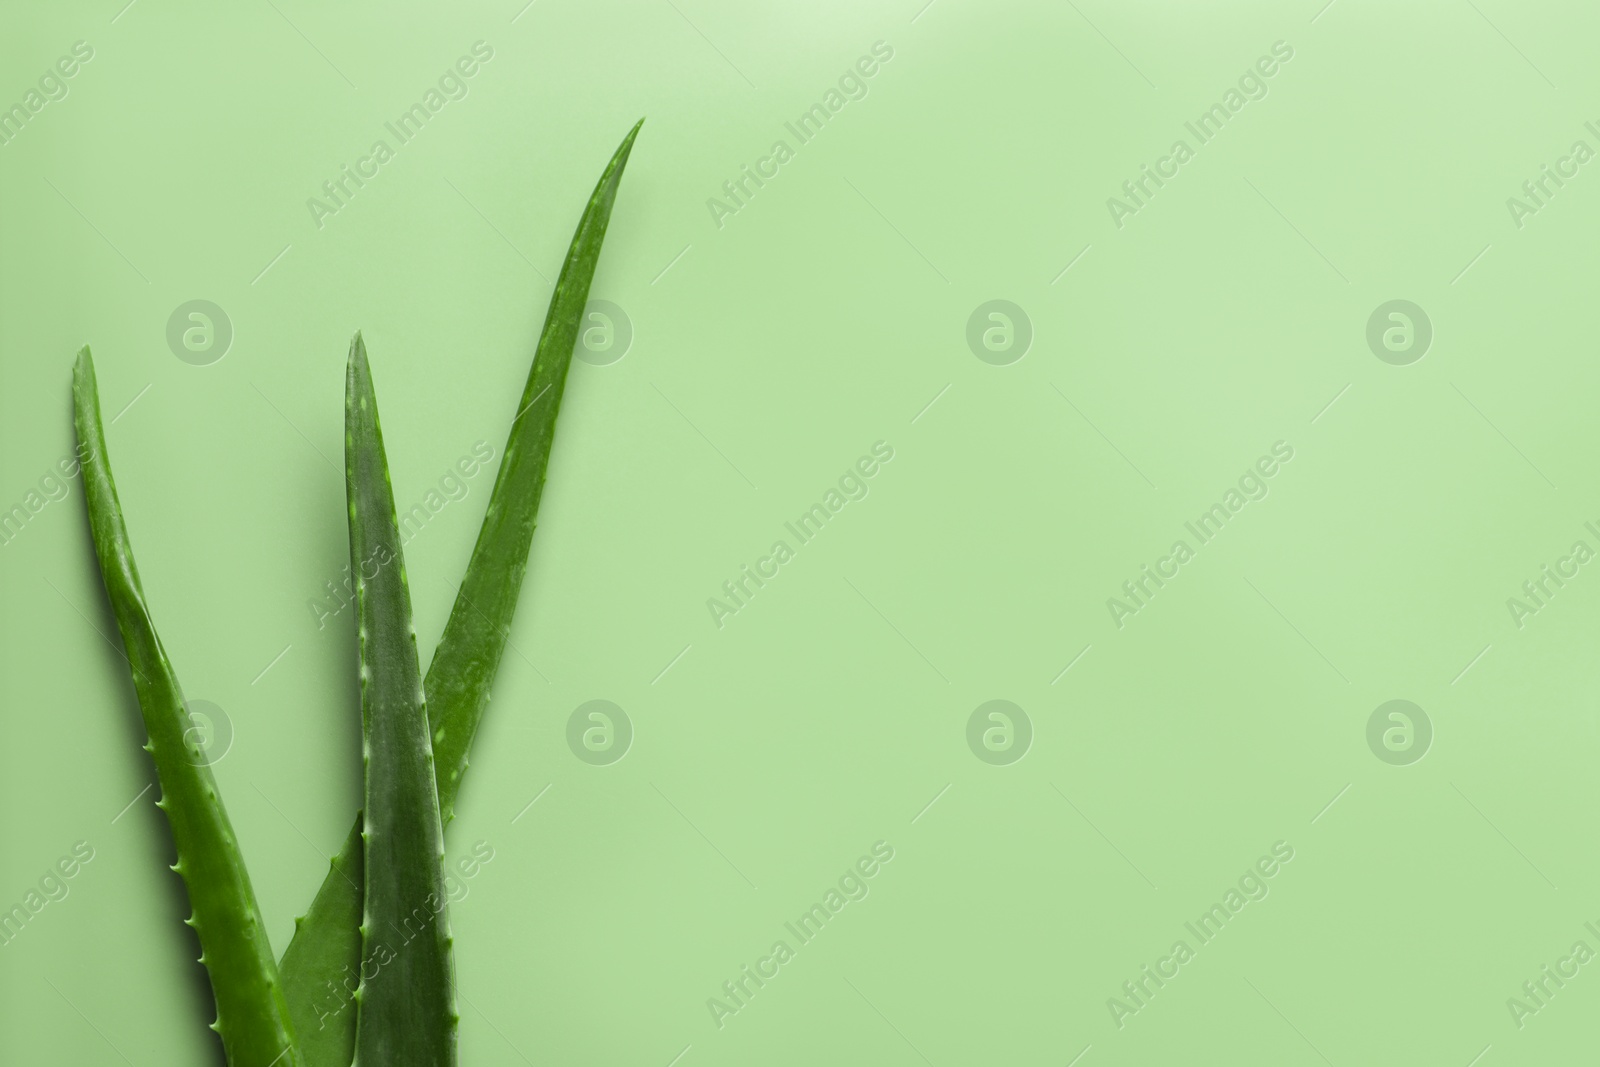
column 768, row 355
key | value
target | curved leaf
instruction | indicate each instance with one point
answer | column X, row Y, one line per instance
column 253, row 1017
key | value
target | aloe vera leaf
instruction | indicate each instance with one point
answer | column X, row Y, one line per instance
column 253, row 1018
column 406, row 1014
column 321, row 965
column 468, row 656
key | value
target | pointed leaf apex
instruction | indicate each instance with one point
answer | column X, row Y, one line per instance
column 83, row 376
column 620, row 158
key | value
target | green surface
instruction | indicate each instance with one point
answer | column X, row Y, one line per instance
column 766, row 357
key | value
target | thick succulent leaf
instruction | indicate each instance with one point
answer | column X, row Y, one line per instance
column 253, row 1016
column 406, row 1014
column 464, row 665
column 321, row 966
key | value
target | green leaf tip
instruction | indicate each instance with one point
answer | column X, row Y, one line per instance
column 358, row 373
column 621, row 156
